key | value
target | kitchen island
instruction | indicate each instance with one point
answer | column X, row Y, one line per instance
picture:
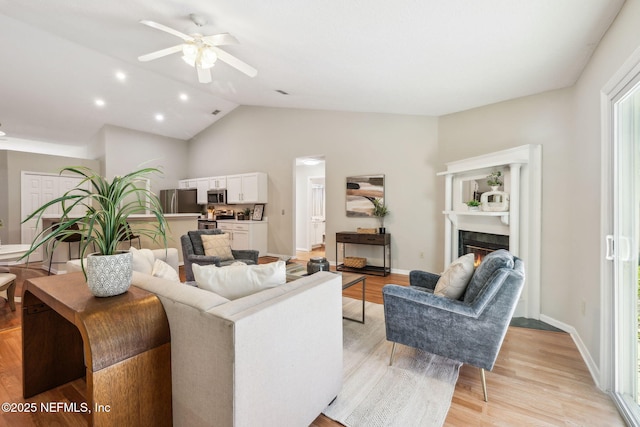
column 178, row 224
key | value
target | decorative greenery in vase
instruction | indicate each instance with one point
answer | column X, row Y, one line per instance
column 380, row 210
column 107, row 206
column 494, row 179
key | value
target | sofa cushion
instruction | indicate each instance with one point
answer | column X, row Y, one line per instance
column 217, row 245
column 453, row 282
column 489, row 265
column 237, row 281
column 165, row 271
column 143, row 260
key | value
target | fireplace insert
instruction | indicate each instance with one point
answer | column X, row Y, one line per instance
column 480, row 244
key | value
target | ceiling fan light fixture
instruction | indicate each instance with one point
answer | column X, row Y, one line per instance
column 189, row 54
column 207, row 58
column 200, row 56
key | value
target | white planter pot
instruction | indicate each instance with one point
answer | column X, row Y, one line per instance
column 109, row 275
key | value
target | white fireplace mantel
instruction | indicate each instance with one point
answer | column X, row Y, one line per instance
column 522, row 222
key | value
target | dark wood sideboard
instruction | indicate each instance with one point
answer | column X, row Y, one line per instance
column 345, row 238
column 121, row 344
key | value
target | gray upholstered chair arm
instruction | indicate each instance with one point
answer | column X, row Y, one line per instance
column 423, row 279
column 246, row 254
column 396, row 294
column 204, row 259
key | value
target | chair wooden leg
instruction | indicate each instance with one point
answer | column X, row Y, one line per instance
column 11, row 292
column 393, row 350
column 484, row 385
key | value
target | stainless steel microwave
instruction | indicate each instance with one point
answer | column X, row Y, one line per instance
column 217, row 197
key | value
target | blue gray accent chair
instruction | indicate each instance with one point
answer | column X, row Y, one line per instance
column 193, row 252
column 470, row 330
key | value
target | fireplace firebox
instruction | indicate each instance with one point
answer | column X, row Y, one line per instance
column 480, row 244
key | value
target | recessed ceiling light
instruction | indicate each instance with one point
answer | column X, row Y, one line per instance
column 99, row 102
column 159, row 117
column 121, row 76
column 2, row 133
column 184, row 97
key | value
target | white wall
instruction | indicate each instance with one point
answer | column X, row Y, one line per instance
column 126, row 150
column 567, row 124
column 402, row 147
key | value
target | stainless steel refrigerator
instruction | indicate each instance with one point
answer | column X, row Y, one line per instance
column 180, row 200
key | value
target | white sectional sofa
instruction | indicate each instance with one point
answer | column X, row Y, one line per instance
column 273, row 358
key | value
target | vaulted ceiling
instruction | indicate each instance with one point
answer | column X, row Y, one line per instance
column 429, row 57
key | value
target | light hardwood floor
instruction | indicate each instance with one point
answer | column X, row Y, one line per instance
column 539, row 380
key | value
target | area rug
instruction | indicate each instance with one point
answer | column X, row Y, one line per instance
column 415, row 391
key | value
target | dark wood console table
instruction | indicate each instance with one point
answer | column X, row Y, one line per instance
column 122, row 344
column 383, row 240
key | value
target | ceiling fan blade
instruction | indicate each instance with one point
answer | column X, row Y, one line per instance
column 220, row 39
column 166, row 30
column 204, row 76
column 235, row 62
column 160, row 53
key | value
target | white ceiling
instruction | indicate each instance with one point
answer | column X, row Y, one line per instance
column 429, row 57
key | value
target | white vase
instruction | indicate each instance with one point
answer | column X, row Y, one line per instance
column 109, row 275
column 495, row 201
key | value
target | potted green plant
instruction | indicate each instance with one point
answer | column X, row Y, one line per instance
column 103, row 225
column 494, row 180
column 473, row 205
column 380, row 210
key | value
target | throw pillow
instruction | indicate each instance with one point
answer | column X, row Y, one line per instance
column 143, row 260
column 237, row 281
column 165, row 271
column 453, row 282
column 217, row 245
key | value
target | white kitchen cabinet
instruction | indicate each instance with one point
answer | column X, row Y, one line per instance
column 217, row 182
column 202, row 185
column 247, row 188
column 188, row 183
column 246, row 234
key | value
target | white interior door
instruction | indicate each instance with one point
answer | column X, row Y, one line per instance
column 33, row 195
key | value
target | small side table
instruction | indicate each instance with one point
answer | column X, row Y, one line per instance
column 351, row 279
column 122, row 344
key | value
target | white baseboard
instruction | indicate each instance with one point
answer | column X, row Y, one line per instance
column 582, row 348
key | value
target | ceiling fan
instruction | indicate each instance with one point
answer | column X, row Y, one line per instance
column 199, row 51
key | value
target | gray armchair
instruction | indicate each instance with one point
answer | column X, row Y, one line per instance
column 193, row 252
column 469, row 330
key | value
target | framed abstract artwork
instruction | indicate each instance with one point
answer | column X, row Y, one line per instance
column 361, row 191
